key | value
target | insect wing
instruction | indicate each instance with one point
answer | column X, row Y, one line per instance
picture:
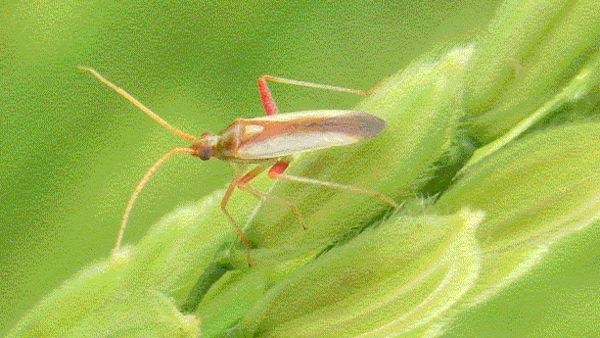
column 285, row 134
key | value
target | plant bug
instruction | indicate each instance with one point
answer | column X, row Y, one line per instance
column 268, row 143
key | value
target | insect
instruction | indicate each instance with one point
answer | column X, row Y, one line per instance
column 266, row 142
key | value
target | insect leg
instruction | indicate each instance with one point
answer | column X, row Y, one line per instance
column 277, row 172
column 243, row 184
column 237, row 229
column 265, row 78
column 269, row 103
column 260, row 195
column 250, row 175
column 266, row 97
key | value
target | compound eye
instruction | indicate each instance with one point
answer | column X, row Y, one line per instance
column 205, row 154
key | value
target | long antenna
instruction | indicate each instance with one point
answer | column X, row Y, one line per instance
column 138, row 104
column 139, row 188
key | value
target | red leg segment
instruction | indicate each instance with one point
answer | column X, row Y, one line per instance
column 278, row 168
column 266, row 97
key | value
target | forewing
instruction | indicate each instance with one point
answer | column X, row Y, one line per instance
column 286, row 134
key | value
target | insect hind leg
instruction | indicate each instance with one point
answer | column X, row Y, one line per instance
column 382, row 197
column 267, row 99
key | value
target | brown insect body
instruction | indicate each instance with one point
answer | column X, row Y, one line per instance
column 266, row 138
column 268, row 142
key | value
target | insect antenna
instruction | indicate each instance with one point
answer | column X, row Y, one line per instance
column 139, row 188
column 156, row 165
column 138, row 104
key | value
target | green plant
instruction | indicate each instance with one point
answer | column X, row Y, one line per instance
column 524, row 96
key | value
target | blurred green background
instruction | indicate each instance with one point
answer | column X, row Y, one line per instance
column 72, row 150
